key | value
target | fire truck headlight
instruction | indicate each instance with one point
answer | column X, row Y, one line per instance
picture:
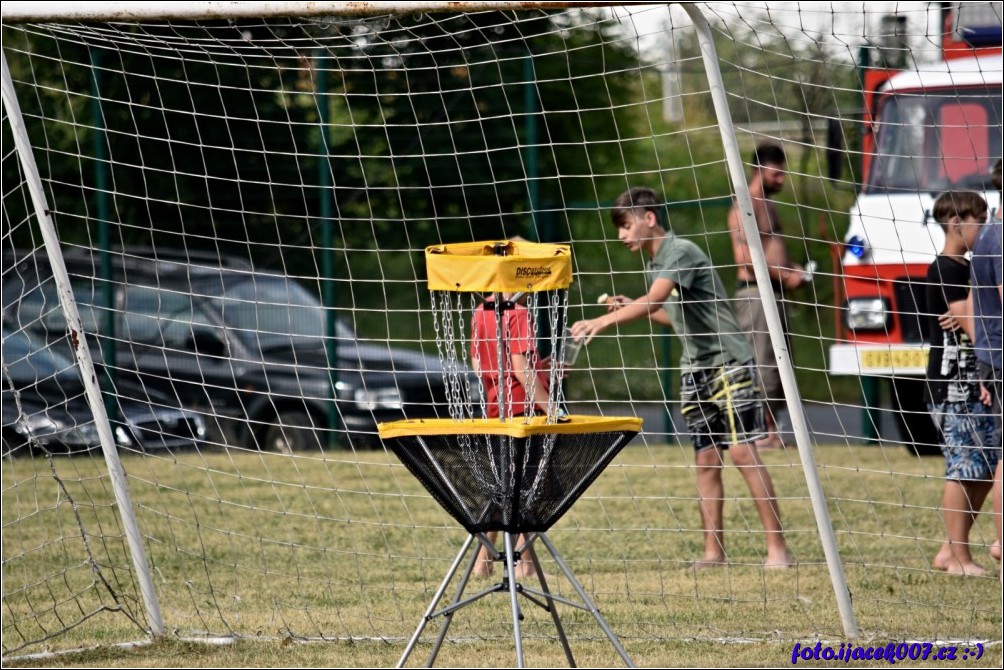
column 867, row 314
column 858, row 247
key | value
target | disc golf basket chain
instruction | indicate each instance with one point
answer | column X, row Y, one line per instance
column 520, row 472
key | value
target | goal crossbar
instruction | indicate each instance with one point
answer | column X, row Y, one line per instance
column 19, row 11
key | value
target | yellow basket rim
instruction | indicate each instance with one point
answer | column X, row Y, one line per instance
column 518, row 427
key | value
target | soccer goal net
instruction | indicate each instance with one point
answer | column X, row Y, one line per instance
column 214, row 289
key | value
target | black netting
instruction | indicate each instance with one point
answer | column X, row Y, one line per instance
column 499, row 482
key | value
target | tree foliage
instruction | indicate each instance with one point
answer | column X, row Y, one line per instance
column 229, row 136
column 213, row 132
column 780, row 77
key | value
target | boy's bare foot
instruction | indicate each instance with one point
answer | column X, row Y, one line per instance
column 967, row 569
column 771, row 442
column 483, row 568
column 995, row 550
column 708, row 563
column 947, row 561
column 526, row 569
column 782, row 561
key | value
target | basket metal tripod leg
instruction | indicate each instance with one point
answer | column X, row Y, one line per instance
column 514, row 588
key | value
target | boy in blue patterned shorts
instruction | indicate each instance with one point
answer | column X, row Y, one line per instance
column 719, row 394
column 971, row 444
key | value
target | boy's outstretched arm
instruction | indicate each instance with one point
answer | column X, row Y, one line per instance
column 644, row 307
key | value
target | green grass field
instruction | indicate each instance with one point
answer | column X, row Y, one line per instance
column 331, row 560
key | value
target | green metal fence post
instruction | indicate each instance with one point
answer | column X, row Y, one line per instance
column 325, row 211
column 99, row 144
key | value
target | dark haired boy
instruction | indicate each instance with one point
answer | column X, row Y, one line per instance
column 720, row 398
column 969, row 440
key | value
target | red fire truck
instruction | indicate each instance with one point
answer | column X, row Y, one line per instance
column 926, row 130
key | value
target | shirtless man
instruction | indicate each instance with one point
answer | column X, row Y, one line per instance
column 769, row 171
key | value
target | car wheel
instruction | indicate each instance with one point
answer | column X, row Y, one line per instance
column 291, row 432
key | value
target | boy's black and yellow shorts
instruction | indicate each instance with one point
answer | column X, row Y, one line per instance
column 722, row 406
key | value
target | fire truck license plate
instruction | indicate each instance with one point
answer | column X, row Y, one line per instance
column 894, row 358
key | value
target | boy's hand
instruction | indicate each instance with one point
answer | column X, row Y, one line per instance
column 544, row 366
column 794, row 277
column 947, row 321
column 613, row 302
column 587, row 329
column 985, row 396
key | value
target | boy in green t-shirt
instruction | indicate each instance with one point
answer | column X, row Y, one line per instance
column 720, row 399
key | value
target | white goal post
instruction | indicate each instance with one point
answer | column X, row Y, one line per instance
column 214, row 219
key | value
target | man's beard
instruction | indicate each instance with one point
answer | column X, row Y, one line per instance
column 771, row 189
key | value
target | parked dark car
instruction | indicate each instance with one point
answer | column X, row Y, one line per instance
column 245, row 347
column 45, row 407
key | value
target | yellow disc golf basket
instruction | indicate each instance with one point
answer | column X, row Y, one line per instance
column 519, row 472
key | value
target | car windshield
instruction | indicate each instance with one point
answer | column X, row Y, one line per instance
column 933, row 141
column 269, row 313
column 29, row 364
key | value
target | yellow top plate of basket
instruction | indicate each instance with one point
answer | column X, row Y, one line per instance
column 507, row 266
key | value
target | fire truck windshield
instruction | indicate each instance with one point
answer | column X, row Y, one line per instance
column 931, row 141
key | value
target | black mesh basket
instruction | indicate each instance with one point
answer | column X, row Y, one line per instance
column 511, row 476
